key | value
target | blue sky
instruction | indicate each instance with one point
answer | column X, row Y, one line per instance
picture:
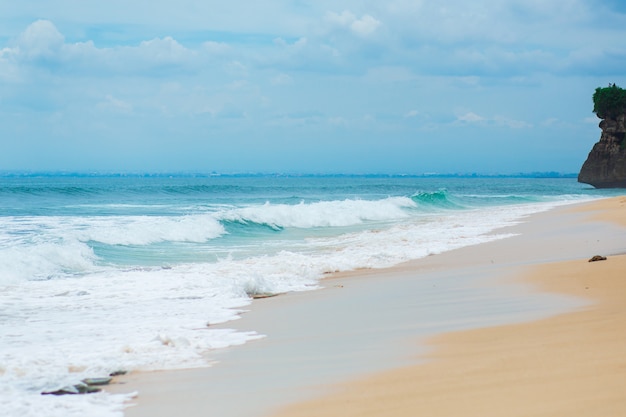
column 402, row 86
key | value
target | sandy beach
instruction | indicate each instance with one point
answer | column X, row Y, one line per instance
column 368, row 343
column 569, row 365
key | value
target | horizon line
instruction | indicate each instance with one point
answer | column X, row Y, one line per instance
column 205, row 174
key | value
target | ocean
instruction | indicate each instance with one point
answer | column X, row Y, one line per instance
column 106, row 273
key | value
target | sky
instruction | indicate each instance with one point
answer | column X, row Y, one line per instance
column 296, row 86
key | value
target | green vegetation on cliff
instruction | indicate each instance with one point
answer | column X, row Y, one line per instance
column 610, row 101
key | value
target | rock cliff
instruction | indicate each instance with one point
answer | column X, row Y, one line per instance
column 605, row 166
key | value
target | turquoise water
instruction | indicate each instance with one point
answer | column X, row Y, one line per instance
column 101, row 273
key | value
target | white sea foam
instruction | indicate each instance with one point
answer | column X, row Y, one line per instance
column 144, row 230
column 48, row 247
column 45, row 260
column 322, row 214
column 57, row 332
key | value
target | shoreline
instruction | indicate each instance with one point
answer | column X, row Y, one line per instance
column 570, row 364
column 480, row 271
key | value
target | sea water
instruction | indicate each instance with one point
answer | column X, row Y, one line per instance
column 104, row 273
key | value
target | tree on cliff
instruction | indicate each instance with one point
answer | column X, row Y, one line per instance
column 605, row 166
column 610, row 101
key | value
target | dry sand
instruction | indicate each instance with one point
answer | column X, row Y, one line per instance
column 352, row 348
column 570, row 365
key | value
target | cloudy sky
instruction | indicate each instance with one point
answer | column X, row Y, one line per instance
column 400, row 86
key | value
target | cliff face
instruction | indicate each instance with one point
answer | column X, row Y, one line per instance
column 605, row 166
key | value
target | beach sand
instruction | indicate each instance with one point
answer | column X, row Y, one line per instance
column 364, row 345
column 570, row 365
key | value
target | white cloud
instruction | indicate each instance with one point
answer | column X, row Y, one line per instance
column 113, row 104
column 237, row 85
column 281, row 79
column 364, row 26
column 592, row 120
column 164, row 50
column 330, row 51
column 237, row 69
column 551, row 121
column 41, row 39
column 412, row 113
column 295, row 46
column 41, row 45
column 280, row 42
column 8, row 67
column 473, row 118
column 344, row 18
column 511, row 123
column 449, row 37
column 216, row 47
column 470, row 117
column 307, row 119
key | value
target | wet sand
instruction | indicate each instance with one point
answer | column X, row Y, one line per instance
column 354, row 346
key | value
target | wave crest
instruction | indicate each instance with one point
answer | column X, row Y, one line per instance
column 339, row 213
column 145, row 230
column 435, row 199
